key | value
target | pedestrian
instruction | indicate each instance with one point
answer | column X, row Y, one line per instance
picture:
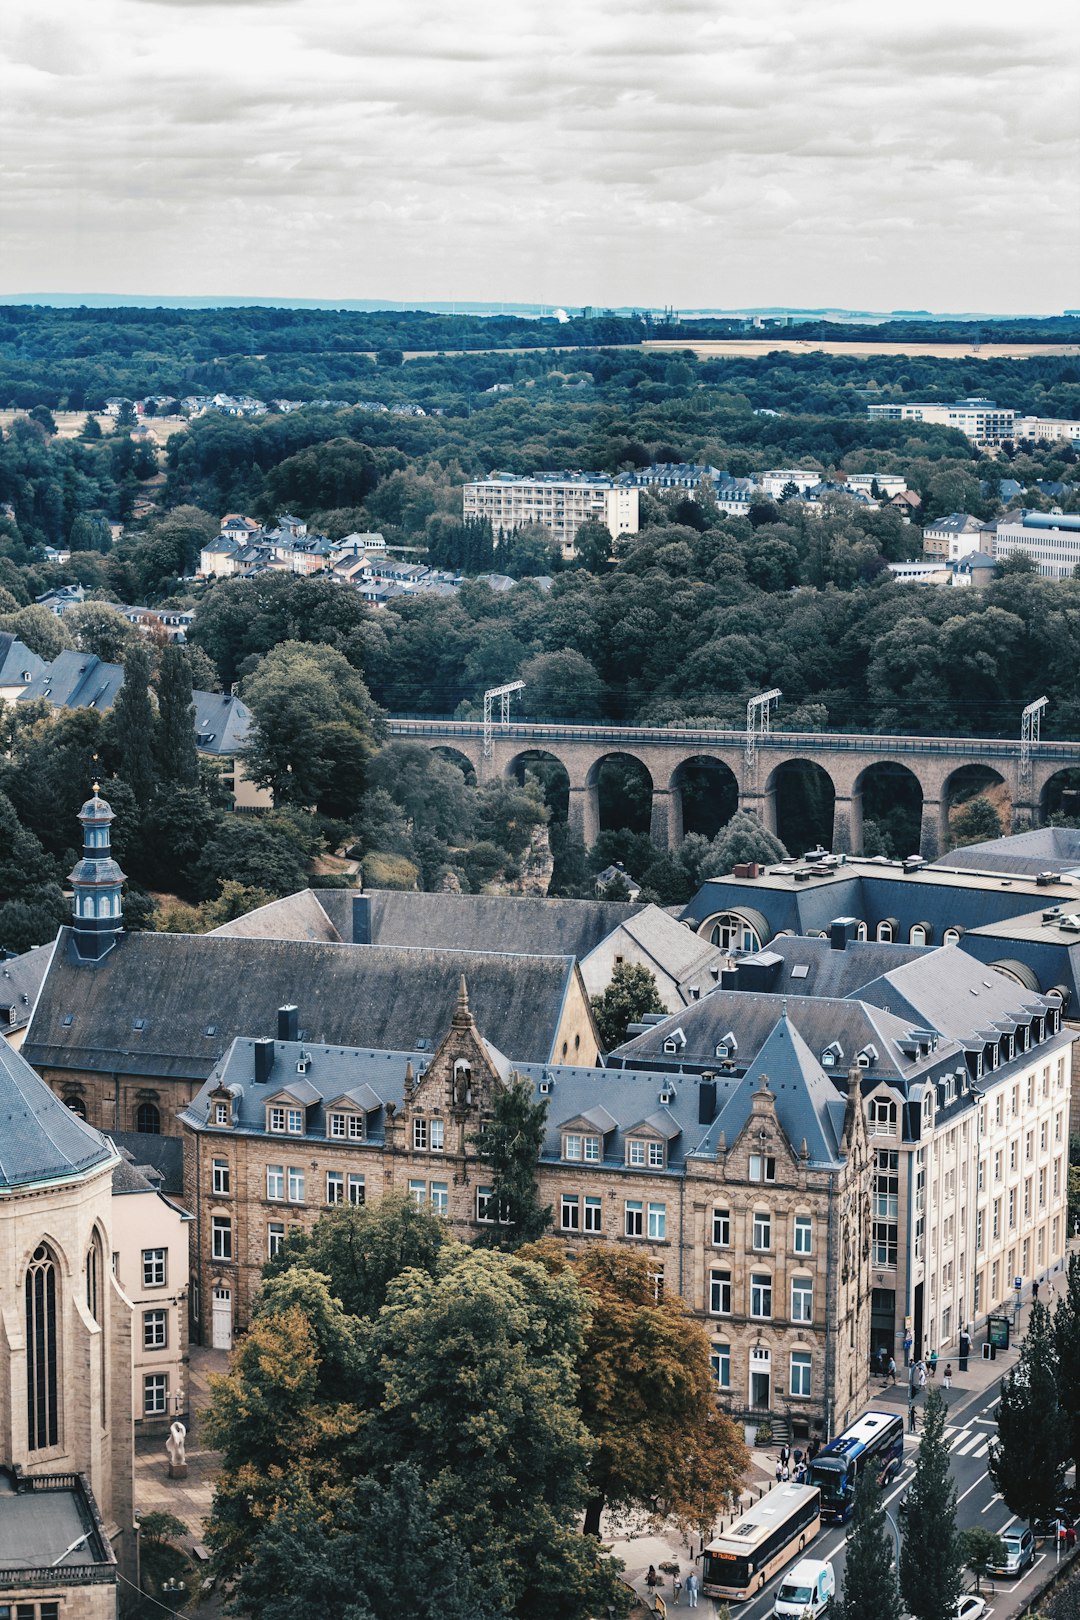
column 933, row 1362
column 779, row 1471
column 946, row 1377
column 891, row 1369
column 785, row 1474
column 652, row 1578
column 691, row 1589
column 1035, row 1292
column 908, row 1341
column 784, row 1453
column 800, row 1474
column 676, row 1588
column 912, row 1419
column 920, row 1376
column 1070, row 1537
column 798, row 1456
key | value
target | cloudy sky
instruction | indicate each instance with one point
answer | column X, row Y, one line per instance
column 861, row 153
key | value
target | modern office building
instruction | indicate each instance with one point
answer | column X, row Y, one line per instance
column 560, row 502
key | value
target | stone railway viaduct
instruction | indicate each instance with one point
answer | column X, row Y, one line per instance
column 847, row 759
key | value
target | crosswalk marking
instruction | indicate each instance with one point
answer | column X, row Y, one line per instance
column 969, row 1445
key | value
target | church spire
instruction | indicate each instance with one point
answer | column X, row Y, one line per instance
column 463, row 1017
column 96, row 883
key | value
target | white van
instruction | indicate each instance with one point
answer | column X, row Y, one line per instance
column 805, row 1591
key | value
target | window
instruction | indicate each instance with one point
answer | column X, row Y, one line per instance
column 221, row 1177
column 719, row 1293
column 295, row 1122
column 885, row 1243
column 887, row 1184
column 484, row 1208
column 356, row 1190
column 275, row 1181
column 155, row 1394
column 579, row 1147
column 720, row 1362
column 1042, row 1185
column 275, row 1239
column 429, row 1135
column 997, row 1165
column 979, row 1229
column 762, row 1167
column 221, row 1113
column 153, row 1268
column 1029, row 1146
column 995, row 1221
column 275, row 1119
column 800, row 1374
column 221, row 1237
column 347, row 1126
column 1012, row 1154
column 657, row 1155
column 1012, row 1207
column 881, row 1116
column 721, row 1228
column 296, row 1184
column 418, row 1192
column 1042, row 1137
column 335, row 1187
column 593, row 1215
column 571, row 1212
column 440, row 1197
column 154, row 1330
column 1057, row 1176
column 148, row 1119
column 635, row 1152
column 657, row 1227
column 762, row 1230
column 634, row 1217
column 42, row 1345
column 760, row 1294
column 802, row 1299
column 977, row 1292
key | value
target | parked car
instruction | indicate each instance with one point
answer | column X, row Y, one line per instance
column 970, row 1607
column 1019, row 1551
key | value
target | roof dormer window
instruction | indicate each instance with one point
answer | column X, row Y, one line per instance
column 832, row 1055
column 674, row 1042
column 728, row 1047
column 867, row 1057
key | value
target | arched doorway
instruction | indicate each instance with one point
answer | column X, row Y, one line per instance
column 549, row 773
column 887, row 805
column 707, row 792
column 976, row 805
column 802, row 800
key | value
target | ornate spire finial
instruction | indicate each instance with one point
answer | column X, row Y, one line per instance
column 463, row 996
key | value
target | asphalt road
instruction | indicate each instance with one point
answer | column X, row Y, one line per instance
column 971, row 1427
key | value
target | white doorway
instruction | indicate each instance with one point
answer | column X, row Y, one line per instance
column 221, row 1319
column 760, row 1378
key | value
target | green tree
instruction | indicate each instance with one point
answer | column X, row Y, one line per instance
column 1027, row 1456
column 39, row 630
column 561, row 685
column 314, row 730
column 593, row 546
column 870, row 1590
column 648, row 1396
column 743, row 839
column 975, row 823
column 981, row 1551
column 90, row 530
column 1067, row 1335
column 430, row 790
column 509, row 1145
column 132, row 726
column 361, row 1249
column 101, row 630
column 631, row 994
column 930, row 1558
column 178, row 757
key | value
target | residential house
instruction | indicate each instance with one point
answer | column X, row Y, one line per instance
column 150, row 1261
column 20, row 981
column 948, row 539
column 18, row 667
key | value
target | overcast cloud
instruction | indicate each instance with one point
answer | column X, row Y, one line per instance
column 921, row 154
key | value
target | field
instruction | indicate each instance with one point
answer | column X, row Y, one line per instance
column 756, row 348
column 69, row 424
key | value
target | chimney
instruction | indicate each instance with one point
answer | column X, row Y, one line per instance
column 361, row 919
column 842, row 930
column 264, row 1060
column 706, row 1101
column 288, row 1023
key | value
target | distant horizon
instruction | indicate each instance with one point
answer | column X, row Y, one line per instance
column 520, row 308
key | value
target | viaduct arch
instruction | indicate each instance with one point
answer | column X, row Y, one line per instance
column 847, row 760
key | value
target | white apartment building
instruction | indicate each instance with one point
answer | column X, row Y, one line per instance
column 1050, row 539
column 1048, row 429
column 777, row 479
column 889, row 484
column 560, row 502
column 980, row 419
column 948, row 539
column 150, row 1262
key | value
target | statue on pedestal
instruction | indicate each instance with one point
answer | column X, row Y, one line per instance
column 176, row 1452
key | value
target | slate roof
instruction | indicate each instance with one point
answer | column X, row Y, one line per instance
column 297, row 916
column 857, row 1024
column 951, row 992
column 41, row 1139
column 163, row 1154
column 16, row 660
column 20, row 981
column 1027, row 854
column 196, row 993
column 222, row 722
column 811, row 967
column 809, row 1107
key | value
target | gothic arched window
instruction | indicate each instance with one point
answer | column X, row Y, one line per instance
column 42, row 1352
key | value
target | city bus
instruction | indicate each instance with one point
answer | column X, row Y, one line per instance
column 876, row 1440
column 739, row 1562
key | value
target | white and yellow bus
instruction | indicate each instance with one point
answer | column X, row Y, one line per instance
column 739, row 1562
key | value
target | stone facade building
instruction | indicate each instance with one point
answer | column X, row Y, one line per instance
column 65, row 1340
column 749, row 1192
